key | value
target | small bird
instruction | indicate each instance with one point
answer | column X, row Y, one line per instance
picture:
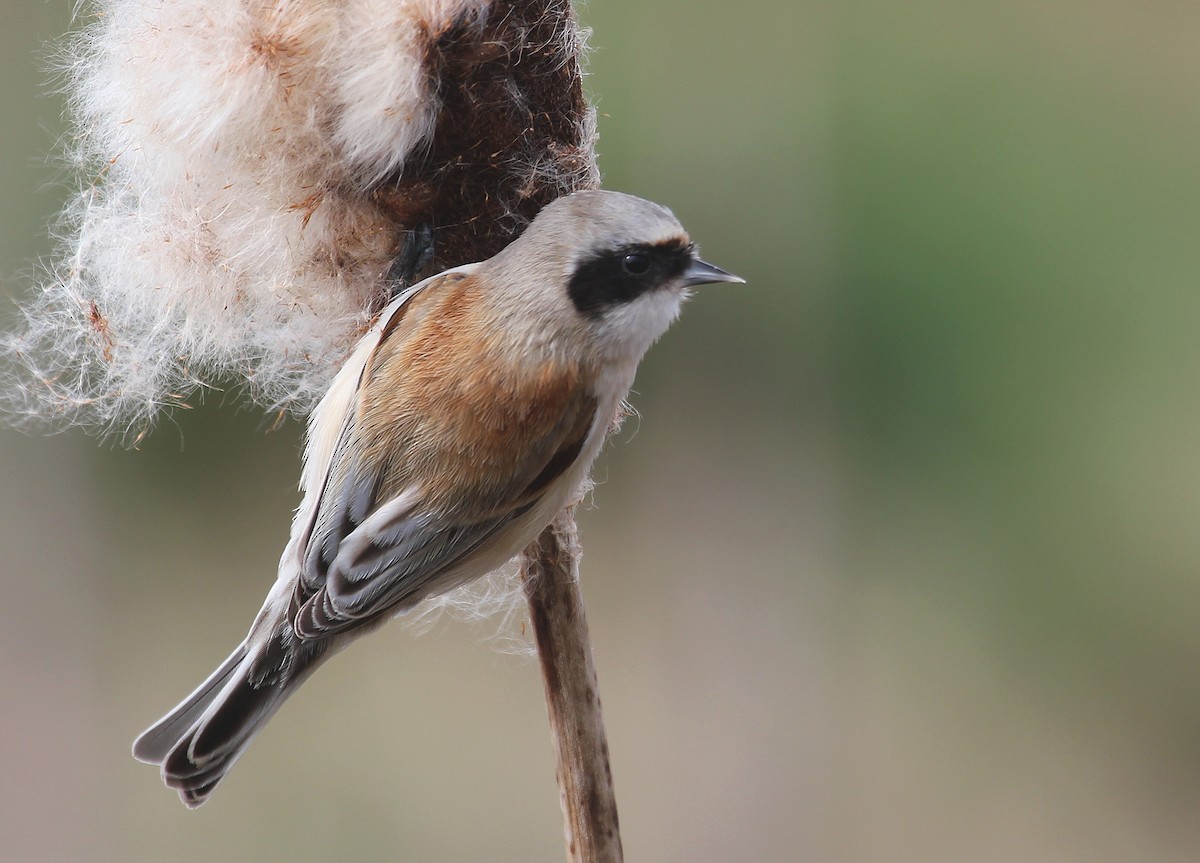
column 463, row 421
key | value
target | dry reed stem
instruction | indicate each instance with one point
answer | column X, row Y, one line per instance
column 550, row 576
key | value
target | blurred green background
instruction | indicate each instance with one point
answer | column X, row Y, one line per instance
column 900, row 563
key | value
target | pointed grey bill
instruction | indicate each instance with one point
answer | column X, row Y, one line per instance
column 702, row 273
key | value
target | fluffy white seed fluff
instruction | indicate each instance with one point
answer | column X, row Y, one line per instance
column 215, row 240
column 380, row 122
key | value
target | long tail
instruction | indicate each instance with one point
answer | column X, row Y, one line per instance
column 197, row 743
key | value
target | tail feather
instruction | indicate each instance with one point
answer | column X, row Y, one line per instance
column 197, row 743
column 155, row 742
column 206, row 752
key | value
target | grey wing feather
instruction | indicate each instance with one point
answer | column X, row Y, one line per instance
column 397, row 567
column 364, row 557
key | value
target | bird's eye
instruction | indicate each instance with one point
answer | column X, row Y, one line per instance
column 636, row 264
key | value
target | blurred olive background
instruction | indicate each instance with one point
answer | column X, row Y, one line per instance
column 900, row 563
